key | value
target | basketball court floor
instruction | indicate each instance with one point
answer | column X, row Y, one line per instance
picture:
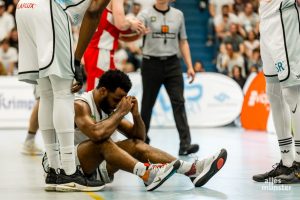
column 21, row 177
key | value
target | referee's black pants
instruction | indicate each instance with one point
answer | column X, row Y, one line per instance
column 167, row 71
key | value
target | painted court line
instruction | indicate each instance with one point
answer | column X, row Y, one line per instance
column 94, row 196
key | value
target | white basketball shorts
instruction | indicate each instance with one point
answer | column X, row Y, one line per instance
column 45, row 40
column 280, row 46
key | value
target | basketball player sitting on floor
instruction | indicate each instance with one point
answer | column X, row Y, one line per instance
column 100, row 113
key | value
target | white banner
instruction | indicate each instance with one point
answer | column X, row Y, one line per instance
column 16, row 102
column 212, row 100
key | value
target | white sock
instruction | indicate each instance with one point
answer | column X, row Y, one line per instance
column 139, row 169
column 52, row 151
column 51, row 147
column 282, row 121
column 287, row 153
column 67, row 152
column 67, row 155
column 30, row 136
column 186, row 168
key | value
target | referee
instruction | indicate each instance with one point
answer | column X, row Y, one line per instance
column 162, row 66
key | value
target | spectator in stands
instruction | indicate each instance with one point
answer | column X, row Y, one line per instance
column 7, row 22
column 127, row 6
column 8, row 57
column 203, row 5
column 253, row 69
column 198, row 66
column 255, row 4
column 235, row 39
column 251, row 43
column 237, row 75
column 238, row 6
column 249, row 20
column 133, row 49
column 120, row 59
column 134, row 52
column 2, row 70
column 11, row 9
column 145, row 3
column 227, row 60
column 255, row 59
column 215, row 6
column 13, row 38
column 223, row 21
column 135, row 10
column 215, row 9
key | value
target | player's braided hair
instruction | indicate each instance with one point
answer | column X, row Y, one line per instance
column 114, row 79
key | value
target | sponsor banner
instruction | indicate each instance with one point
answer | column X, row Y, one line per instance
column 249, row 81
column 256, row 108
column 212, row 100
column 16, row 102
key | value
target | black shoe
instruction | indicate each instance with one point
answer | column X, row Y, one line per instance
column 186, row 150
column 77, row 182
column 292, row 177
column 278, row 169
column 51, row 180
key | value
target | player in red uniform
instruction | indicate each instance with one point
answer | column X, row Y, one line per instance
column 99, row 56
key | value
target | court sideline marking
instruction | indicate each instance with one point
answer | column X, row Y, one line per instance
column 95, row 196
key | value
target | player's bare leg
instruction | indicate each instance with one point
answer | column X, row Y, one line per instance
column 200, row 171
column 91, row 154
column 123, row 155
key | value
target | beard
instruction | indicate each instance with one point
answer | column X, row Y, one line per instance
column 104, row 105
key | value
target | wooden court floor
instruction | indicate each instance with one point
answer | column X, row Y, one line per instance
column 248, row 153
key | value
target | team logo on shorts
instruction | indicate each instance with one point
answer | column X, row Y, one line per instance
column 280, row 66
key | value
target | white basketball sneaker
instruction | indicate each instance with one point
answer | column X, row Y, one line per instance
column 30, row 148
column 202, row 171
column 157, row 174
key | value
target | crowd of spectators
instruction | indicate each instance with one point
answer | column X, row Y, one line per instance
column 233, row 29
column 8, row 38
column 128, row 57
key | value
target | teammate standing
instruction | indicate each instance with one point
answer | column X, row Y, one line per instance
column 161, row 66
column 280, row 42
column 46, row 58
column 99, row 56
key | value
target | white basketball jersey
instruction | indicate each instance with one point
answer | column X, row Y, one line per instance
column 75, row 9
column 89, row 99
